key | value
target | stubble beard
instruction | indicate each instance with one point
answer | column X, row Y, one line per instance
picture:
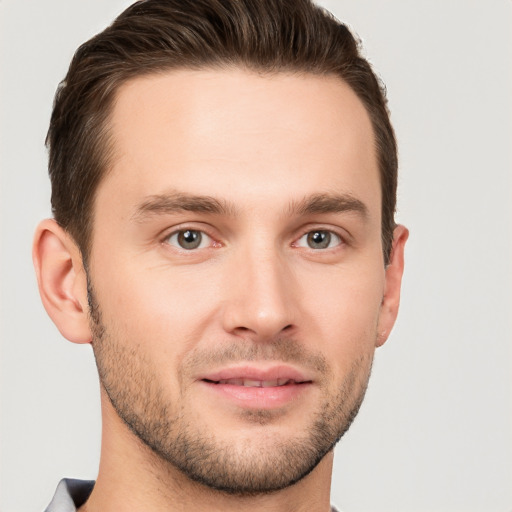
column 266, row 464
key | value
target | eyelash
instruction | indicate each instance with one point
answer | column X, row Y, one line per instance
column 183, row 231
column 339, row 240
column 330, row 235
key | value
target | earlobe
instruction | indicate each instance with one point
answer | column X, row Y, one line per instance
column 393, row 282
column 62, row 281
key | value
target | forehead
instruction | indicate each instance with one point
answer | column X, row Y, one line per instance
column 238, row 133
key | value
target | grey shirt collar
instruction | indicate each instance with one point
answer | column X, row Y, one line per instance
column 72, row 494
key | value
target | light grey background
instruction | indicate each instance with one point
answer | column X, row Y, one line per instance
column 435, row 432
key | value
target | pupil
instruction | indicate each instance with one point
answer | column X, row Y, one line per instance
column 189, row 239
column 319, row 239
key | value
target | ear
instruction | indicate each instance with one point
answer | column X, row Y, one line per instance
column 62, row 281
column 393, row 281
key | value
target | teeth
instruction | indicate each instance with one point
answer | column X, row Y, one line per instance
column 249, row 383
column 253, row 383
column 233, row 382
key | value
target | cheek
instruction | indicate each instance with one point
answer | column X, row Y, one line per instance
column 344, row 314
column 166, row 310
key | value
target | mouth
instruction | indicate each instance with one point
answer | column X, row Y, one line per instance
column 258, row 388
column 251, row 383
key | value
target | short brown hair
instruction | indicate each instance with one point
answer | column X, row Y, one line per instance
column 156, row 35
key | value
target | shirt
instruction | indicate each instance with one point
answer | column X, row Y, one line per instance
column 71, row 494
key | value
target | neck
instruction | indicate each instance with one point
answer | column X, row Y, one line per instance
column 133, row 478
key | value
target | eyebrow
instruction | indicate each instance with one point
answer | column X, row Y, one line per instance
column 329, row 203
column 174, row 202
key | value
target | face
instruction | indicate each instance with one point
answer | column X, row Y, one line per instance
column 236, row 276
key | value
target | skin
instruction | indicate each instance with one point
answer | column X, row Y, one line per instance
column 265, row 148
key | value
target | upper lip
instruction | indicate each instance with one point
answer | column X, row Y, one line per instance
column 257, row 373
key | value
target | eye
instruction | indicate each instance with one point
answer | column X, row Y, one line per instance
column 319, row 239
column 189, row 239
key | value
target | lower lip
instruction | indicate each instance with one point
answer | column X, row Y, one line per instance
column 256, row 397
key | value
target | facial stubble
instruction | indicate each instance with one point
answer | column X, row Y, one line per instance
column 265, row 463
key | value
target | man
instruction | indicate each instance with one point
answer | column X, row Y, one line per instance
column 224, row 186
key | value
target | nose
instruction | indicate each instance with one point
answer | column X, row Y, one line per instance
column 261, row 296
